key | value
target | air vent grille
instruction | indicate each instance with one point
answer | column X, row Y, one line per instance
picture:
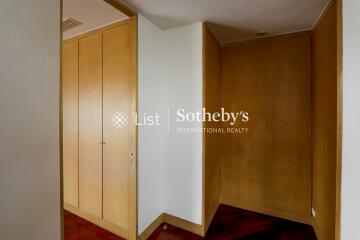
column 70, row 23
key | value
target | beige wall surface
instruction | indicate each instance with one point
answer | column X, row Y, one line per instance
column 29, row 120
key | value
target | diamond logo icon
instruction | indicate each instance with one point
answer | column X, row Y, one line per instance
column 120, row 120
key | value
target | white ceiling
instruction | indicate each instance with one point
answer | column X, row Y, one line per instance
column 234, row 20
column 93, row 13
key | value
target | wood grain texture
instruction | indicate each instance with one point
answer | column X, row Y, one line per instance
column 117, row 98
column 108, row 84
column 70, row 122
column 232, row 223
column 152, row 227
column 184, row 224
column 98, row 221
column 325, row 123
column 133, row 233
column 269, row 168
column 211, row 141
column 78, row 228
column 90, row 124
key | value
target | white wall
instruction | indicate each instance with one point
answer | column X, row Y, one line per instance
column 170, row 164
column 183, row 166
column 29, row 120
column 350, row 212
column 152, row 140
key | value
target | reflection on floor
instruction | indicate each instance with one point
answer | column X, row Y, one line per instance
column 229, row 224
column 232, row 223
column 76, row 228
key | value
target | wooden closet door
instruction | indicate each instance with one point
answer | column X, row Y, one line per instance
column 70, row 122
column 269, row 169
column 117, row 99
column 90, row 124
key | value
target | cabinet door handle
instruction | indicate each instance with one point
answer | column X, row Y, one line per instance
column 131, row 159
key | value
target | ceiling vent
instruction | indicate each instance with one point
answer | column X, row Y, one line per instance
column 69, row 23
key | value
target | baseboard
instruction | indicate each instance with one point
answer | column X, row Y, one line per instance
column 184, row 224
column 174, row 221
column 117, row 230
column 315, row 227
column 152, row 227
column 268, row 211
column 208, row 221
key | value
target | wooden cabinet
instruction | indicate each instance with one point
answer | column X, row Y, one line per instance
column 117, row 112
column 269, row 169
column 98, row 91
column 90, row 124
column 70, row 123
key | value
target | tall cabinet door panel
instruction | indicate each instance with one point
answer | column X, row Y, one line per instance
column 90, row 124
column 117, row 97
column 70, row 122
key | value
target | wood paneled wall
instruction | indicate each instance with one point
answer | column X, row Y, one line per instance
column 325, row 123
column 70, row 96
column 269, row 169
column 212, row 103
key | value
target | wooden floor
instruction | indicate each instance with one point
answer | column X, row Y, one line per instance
column 76, row 228
column 229, row 224
column 233, row 223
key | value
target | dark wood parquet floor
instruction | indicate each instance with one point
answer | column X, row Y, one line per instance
column 229, row 224
column 76, row 228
